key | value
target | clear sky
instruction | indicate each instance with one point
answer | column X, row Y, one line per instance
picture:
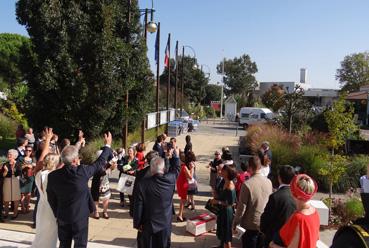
column 281, row 36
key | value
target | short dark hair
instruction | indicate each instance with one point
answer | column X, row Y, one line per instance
column 160, row 138
column 21, row 141
column 286, row 173
column 190, row 157
column 244, row 166
column 173, row 139
column 188, row 138
column 227, row 155
column 255, row 163
column 231, row 171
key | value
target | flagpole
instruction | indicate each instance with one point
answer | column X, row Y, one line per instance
column 182, row 79
column 157, row 57
column 176, row 85
column 168, row 84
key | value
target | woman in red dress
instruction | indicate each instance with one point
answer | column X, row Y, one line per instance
column 182, row 187
column 140, row 148
column 302, row 229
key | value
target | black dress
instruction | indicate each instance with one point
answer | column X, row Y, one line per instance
column 214, row 172
column 95, row 185
column 225, row 215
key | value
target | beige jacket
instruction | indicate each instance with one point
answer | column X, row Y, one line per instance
column 254, row 196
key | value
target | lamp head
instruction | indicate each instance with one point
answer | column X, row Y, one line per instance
column 152, row 27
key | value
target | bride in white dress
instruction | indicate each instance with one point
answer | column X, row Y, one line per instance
column 46, row 226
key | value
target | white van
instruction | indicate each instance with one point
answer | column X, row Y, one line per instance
column 250, row 116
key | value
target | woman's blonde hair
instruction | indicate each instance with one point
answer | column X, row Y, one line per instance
column 51, row 161
column 306, row 184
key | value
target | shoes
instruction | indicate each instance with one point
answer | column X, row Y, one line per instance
column 192, row 208
column 183, row 219
column 96, row 216
column 122, row 204
column 14, row 217
column 187, row 205
column 105, row 215
column 34, row 225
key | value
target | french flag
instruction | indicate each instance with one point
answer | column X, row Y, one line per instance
column 167, row 53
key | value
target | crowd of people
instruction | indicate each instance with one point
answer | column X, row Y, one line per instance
column 243, row 196
column 275, row 218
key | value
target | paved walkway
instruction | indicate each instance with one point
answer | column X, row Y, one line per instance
column 118, row 230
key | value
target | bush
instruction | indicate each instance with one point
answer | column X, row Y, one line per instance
column 344, row 211
column 354, row 208
column 210, row 112
column 309, row 157
column 356, row 168
column 7, row 127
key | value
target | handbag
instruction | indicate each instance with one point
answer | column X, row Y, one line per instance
column 126, row 183
column 214, row 208
column 192, row 184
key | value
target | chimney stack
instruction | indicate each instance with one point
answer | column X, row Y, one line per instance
column 303, row 75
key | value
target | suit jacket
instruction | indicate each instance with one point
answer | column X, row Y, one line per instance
column 157, row 147
column 277, row 211
column 252, row 201
column 154, row 198
column 67, row 189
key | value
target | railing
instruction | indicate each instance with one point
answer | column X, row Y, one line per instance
column 155, row 119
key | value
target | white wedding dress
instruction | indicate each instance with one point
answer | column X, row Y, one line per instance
column 46, row 226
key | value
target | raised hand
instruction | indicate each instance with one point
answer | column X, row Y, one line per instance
column 48, row 134
column 108, row 138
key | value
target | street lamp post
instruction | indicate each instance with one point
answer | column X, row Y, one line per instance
column 222, row 92
column 182, row 78
column 151, row 27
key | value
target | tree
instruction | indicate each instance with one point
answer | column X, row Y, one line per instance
column 194, row 79
column 273, row 98
column 11, row 48
column 333, row 169
column 341, row 123
column 296, row 109
column 86, row 56
column 212, row 93
column 239, row 76
column 354, row 72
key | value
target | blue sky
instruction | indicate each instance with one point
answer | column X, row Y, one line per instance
column 280, row 36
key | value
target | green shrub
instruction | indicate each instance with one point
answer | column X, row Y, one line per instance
column 354, row 208
column 7, row 127
column 13, row 113
column 210, row 112
column 356, row 168
column 309, row 157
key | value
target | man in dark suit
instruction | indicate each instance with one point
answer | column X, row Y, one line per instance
column 280, row 206
column 152, row 213
column 158, row 146
column 69, row 196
